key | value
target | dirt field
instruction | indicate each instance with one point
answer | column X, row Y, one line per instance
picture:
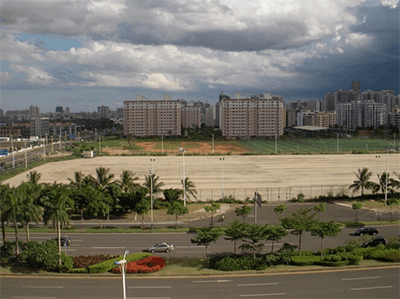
column 276, row 178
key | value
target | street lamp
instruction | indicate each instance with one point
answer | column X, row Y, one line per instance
column 152, row 164
column 377, row 166
column 386, row 183
column 151, row 196
column 222, row 176
column 184, row 176
column 122, row 267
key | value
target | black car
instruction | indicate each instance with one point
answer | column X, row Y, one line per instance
column 367, row 231
column 375, row 242
column 65, row 241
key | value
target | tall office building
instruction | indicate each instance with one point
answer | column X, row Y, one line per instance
column 143, row 117
column 261, row 115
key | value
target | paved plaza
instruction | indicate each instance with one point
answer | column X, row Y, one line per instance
column 275, row 177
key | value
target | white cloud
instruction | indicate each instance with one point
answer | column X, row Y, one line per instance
column 392, row 3
column 15, row 51
column 34, row 74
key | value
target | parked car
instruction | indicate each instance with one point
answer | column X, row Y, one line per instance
column 64, row 240
column 366, row 230
column 375, row 242
column 161, row 247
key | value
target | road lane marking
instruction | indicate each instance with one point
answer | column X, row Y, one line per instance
column 211, row 281
column 42, row 287
column 149, row 297
column 193, row 246
column 30, row 297
column 371, row 288
column 360, row 278
column 108, row 247
column 151, row 287
column 259, row 295
column 257, row 284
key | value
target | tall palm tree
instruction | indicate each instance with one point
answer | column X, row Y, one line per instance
column 103, row 177
column 57, row 201
column 127, row 181
column 362, row 181
column 156, row 185
column 190, row 189
column 5, row 207
column 78, row 180
column 381, row 186
column 29, row 210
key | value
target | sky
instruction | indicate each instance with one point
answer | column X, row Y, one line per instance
column 84, row 54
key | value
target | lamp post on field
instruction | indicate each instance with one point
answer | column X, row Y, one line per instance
column 377, row 166
column 122, row 268
column 386, row 183
column 151, row 173
column 183, row 151
column 222, row 176
column 152, row 164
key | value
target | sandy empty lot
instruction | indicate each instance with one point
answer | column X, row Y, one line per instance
column 274, row 177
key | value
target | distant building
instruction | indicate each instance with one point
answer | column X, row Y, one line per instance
column 144, row 117
column 191, row 116
column 39, row 126
column 59, row 109
column 361, row 114
column 261, row 115
column 34, row 110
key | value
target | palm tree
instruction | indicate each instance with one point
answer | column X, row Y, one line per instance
column 156, row 185
column 57, row 201
column 34, row 177
column 78, row 180
column 381, row 186
column 5, row 208
column 127, row 181
column 29, row 210
column 190, row 188
column 362, row 181
column 103, row 177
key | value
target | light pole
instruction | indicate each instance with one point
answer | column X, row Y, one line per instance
column 386, row 183
column 184, row 176
column 377, row 166
column 151, row 196
column 122, row 267
column 222, row 176
column 152, row 164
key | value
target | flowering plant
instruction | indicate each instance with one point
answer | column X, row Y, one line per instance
column 146, row 265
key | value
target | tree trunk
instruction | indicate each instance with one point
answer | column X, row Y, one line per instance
column 322, row 246
column 100, row 225
column 3, row 229
column 234, row 246
column 59, row 242
column 272, row 248
column 142, row 222
column 176, row 221
column 208, row 262
column 16, row 239
column 27, row 232
column 300, row 243
column 81, row 214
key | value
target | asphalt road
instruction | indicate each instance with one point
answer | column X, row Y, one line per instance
column 117, row 243
column 365, row 283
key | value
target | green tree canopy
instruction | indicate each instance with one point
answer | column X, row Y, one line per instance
column 363, row 181
column 243, row 212
column 234, row 232
column 177, row 208
column 323, row 230
column 206, row 237
column 253, row 234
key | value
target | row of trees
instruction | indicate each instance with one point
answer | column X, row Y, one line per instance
column 252, row 235
column 32, row 201
column 385, row 183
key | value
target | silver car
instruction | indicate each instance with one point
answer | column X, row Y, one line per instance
column 161, row 247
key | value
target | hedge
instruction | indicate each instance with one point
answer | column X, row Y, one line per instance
column 110, row 264
column 146, row 265
column 300, row 260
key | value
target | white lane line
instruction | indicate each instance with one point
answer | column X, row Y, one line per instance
column 261, row 295
column 360, row 278
column 42, row 287
column 108, row 247
column 30, row 297
column 257, row 284
column 211, row 281
column 151, row 287
column 149, row 297
column 193, row 246
column 371, row 288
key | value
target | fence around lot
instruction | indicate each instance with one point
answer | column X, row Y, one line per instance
column 273, row 194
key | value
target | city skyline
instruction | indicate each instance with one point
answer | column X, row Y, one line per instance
column 91, row 53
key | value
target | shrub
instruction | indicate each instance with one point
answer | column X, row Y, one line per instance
column 78, row 270
column 301, row 260
column 41, row 255
column 84, row 261
column 67, row 263
column 146, row 265
column 110, row 264
column 7, row 251
column 392, row 256
column 238, row 263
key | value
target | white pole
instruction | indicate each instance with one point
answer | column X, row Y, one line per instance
column 213, row 144
column 222, row 177
column 337, row 143
column 162, row 144
column 377, row 166
column 184, row 180
column 387, row 152
column 276, row 143
column 44, row 151
column 99, row 146
column 12, row 149
column 151, row 196
column 26, row 161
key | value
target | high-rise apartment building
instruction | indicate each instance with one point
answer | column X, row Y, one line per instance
column 39, row 125
column 143, row 117
column 191, row 116
column 361, row 114
column 34, row 110
column 261, row 115
column 326, row 119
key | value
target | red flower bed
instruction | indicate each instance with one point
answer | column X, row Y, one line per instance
column 146, row 265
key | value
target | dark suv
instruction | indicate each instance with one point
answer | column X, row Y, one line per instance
column 375, row 242
column 366, row 230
